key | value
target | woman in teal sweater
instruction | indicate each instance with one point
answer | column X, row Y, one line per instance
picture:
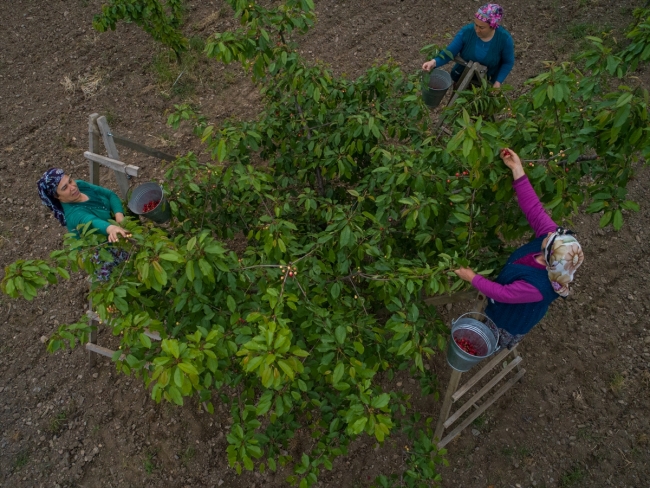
column 485, row 42
column 76, row 203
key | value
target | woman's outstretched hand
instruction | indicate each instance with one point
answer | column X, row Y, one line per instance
column 465, row 274
column 513, row 162
column 429, row 65
column 115, row 231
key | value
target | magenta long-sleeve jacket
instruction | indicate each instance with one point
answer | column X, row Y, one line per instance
column 519, row 291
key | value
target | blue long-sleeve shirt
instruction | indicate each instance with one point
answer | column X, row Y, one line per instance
column 481, row 50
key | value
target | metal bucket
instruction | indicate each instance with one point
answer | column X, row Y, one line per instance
column 434, row 87
column 146, row 193
column 480, row 331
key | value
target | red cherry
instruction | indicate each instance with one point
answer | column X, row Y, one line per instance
column 457, row 174
column 566, row 169
column 466, row 346
column 448, row 181
column 149, row 206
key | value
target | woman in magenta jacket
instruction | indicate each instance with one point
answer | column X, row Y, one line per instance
column 535, row 274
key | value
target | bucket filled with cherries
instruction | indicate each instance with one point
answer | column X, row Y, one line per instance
column 474, row 337
column 149, row 201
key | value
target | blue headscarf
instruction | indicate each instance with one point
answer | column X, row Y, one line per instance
column 47, row 187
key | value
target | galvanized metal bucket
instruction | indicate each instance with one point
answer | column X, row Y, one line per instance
column 480, row 331
column 146, row 193
column 434, row 87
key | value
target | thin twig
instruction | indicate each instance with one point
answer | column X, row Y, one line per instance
column 284, row 282
column 561, row 161
column 179, row 77
column 471, row 223
column 303, row 257
column 126, row 261
column 303, row 291
column 351, row 280
column 318, row 173
column 205, row 208
column 262, row 266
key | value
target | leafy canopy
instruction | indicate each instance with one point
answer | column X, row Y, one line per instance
column 290, row 284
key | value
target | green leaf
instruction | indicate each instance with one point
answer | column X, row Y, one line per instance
column 175, row 395
column 346, row 236
column 191, row 243
column 173, row 348
column 286, row 368
column 624, row 99
column 359, row 425
column 604, row 220
column 457, row 198
column 596, row 206
column 230, row 302
column 340, row 334
column 621, row 116
column 404, row 348
column 188, row 368
column 168, row 256
column 221, row 150
column 630, row 205
column 145, row 341
column 380, row 401
column 338, row 373
column 618, row 220
column 335, row 291
column 554, row 203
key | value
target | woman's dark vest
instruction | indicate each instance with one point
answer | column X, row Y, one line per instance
column 519, row 318
column 493, row 58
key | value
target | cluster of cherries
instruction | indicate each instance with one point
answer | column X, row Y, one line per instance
column 466, row 346
column 148, row 207
column 290, row 271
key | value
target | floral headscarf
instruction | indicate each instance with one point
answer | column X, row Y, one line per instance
column 564, row 256
column 490, row 13
column 47, row 187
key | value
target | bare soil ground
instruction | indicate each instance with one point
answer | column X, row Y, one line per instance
column 579, row 418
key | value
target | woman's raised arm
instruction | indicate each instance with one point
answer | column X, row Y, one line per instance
column 526, row 196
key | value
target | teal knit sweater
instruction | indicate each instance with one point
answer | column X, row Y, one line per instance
column 498, row 54
column 102, row 205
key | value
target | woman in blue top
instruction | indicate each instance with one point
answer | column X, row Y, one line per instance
column 484, row 42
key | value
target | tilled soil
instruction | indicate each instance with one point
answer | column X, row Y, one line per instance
column 580, row 416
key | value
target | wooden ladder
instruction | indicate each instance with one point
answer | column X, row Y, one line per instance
column 454, row 393
column 98, row 127
column 472, row 70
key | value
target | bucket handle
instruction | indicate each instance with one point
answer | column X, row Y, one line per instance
column 453, row 322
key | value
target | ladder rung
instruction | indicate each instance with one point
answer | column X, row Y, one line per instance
column 472, row 401
column 482, row 372
column 99, row 350
column 481, row 409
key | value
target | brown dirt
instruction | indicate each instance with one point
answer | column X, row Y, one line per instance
column 580, row 416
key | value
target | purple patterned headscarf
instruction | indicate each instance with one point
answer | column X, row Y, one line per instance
column 490, row 13
column 47, row 187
